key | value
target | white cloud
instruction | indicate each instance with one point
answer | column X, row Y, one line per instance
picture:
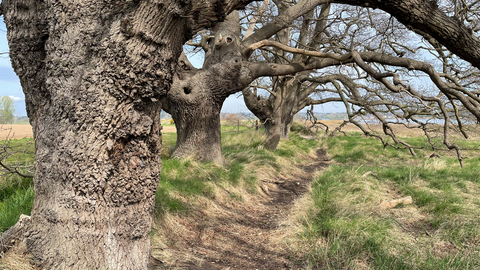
column 15, row 98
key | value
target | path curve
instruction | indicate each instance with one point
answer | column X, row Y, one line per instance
column 242, row 239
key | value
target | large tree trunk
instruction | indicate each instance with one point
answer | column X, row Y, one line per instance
column 277, row 128
column 197, row 95
column 196, row 112
column 93, row 73
column 286, row 124
column 276, row 112
column 272, row 132
column 91, row 101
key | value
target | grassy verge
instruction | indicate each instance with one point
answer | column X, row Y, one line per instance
column 183, row 181
column 345, row 228
column 196, row 198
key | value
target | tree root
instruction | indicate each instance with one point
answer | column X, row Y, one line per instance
column 16, row 233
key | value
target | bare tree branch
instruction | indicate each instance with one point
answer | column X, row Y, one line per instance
column 253, row 21
column 428, row 18
column 257, row 45
column 282, row 21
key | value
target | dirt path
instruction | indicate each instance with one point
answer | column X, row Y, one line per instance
column 244, row 238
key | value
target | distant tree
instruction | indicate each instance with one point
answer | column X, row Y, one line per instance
column 285, row 96
column 7, row 110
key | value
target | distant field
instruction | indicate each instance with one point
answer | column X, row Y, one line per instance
column 15, row 131
column 19, row 131
column 25, row 131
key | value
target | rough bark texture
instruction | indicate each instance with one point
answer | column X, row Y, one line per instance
column 93, row 73
column 10, row 237
column 277, row 111
column 197, row 95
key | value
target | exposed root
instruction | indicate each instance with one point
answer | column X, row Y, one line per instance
column 15, row 234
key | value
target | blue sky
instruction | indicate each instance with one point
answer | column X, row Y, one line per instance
column 10, row 85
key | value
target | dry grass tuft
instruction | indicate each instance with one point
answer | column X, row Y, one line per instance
column 237, row 219
column 435, row 164
column 341, row 225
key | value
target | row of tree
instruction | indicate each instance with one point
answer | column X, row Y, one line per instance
column 361, row 58
column 97, row 73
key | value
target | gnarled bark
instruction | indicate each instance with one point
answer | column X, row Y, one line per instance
column 93, row 73
column 197, row 95
column 14, row 234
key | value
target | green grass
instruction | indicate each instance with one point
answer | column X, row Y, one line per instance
column 343, row 226
column 233, row 128
column 18, row 151
column 16, row 193
column 181, row 181
column 19, row 202
column 346, row 228
column 184, row 180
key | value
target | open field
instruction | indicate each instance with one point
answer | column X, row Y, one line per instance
column 15, row 131
column 25, row 131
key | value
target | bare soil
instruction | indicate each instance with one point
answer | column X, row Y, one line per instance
column 241, row 236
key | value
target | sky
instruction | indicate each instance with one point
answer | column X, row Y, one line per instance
column 10, row 85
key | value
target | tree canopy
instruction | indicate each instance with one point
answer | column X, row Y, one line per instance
column 7, row 110
column 366, row 59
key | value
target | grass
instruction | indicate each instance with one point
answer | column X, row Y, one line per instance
column 344, row 228
column 20, row 202
column 183, row 181
column 341, row 225
column 196, row 197
column 16, row 193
